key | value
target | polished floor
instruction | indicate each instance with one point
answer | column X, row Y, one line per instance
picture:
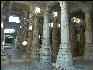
column 20, row 61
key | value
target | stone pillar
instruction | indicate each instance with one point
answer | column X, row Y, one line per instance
column 30, row 32
column 2, row 30
column 2, row 38
column 55, row 43
column 88, row 52
column 45, row 52
column 35, row 43
column 19, row 38
column 2, row 21
column 4, row 13
column 64, row 57
column 22, row 35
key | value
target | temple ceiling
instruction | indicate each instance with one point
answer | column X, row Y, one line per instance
column 74, row 7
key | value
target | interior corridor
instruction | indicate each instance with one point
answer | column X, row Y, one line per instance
column 46, row 35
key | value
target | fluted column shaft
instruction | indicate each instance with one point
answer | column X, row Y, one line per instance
column 45, row 53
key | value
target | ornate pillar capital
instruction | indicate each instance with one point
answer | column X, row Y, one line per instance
column 62, row 4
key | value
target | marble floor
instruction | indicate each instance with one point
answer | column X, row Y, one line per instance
column 20, row 61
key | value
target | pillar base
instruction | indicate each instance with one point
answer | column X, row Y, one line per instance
column 35, row 49
column 88, row 54
column 45, row 57
column 64, row 57
column 35, row 54
column 46, row 66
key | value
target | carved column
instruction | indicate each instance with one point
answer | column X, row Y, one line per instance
column 35, row 43
column 88, row 53
column 64, row 57
column 2, row 38
column 2, row 30
column 21, row 35
column 19, row 38
column 55, row 42
column 30, row 32
column 4, row 12
column 45, row 52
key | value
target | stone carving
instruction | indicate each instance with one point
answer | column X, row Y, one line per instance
column 30, row 32
column 45, row 51
column 64, row 57
column 35, row 42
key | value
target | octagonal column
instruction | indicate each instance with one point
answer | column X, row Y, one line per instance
column 35, row 43
column 30, row 32
column 88, row 53
column 45, row 52
column 64, row 57
column 21, row 35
